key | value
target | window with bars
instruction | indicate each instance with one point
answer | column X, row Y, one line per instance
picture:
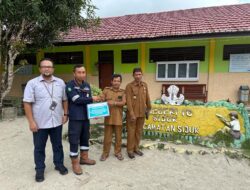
column 177, row 71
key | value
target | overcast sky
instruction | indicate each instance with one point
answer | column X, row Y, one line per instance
column 108, row 8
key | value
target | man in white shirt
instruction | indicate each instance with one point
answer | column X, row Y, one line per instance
column 233, row 126
column 45, row 105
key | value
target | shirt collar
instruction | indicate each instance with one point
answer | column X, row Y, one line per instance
column 40, row 78
column 80, row 85
column 138, row 84
column 115, row 90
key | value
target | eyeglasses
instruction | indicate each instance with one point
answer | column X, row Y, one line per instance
column 46, row 67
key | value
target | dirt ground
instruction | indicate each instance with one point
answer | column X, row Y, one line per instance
column 157, row 169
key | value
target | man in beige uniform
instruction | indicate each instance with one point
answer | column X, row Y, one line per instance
column 116, row 100
column 138, row 103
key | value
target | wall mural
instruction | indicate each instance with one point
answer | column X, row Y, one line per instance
column 213, row 121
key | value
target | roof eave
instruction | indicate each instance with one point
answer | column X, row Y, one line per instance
column 161, row 38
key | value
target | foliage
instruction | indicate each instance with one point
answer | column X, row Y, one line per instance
column 173, row 137
column 246, row 144
column 36, row 24
column 95, row 91
column 224, row 138
column 40, row 22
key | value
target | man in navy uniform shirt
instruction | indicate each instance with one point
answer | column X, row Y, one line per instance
column 79, row 95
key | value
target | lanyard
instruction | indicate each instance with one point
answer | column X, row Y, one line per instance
column 46, row 87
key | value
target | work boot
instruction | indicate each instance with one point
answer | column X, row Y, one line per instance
column 39, row 176
column 84, row 159
column 76, row 166
column 62, row 169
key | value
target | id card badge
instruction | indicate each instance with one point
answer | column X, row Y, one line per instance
column 53, row 105
column 119, row 98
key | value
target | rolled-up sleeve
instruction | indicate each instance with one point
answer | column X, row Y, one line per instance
column 29, row 95
column 64, row 98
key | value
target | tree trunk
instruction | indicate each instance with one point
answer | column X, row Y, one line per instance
column 7, row 76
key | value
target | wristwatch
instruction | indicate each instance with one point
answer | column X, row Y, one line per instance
column 66, row 114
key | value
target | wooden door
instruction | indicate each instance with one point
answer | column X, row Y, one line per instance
column 105, row 74
column 106, row 67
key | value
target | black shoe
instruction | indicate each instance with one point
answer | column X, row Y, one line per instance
column 131, row 155
column 39, row 176
column 138, row 152
column 62, row 169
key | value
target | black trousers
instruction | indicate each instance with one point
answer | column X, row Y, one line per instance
column 78, row 135
column 40, row 139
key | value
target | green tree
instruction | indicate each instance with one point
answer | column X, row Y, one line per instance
column 36, row 23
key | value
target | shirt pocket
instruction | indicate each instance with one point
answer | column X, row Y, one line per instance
column 40, row 93
column 58, row 92
column 119, row 97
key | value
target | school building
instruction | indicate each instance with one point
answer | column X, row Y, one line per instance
column 209, row 47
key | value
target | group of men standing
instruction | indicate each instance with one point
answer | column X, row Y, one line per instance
column 49, row 104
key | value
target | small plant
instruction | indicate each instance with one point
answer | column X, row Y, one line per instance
column 226, row 138
column 246, row 144
column 160, row 146
column 233, row 155
column 95, row 91
column 96, row 130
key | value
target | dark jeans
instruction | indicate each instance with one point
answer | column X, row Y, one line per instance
column 40, row 139
column 78, row 134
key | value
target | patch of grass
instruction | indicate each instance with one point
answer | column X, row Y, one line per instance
column 246, row 145
column 233, row 155
column 96, row 131
column 172, row 137
column 246, row 152
column 160, row 146
column 223, row 137
column 197, row 141
column 65, row 136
